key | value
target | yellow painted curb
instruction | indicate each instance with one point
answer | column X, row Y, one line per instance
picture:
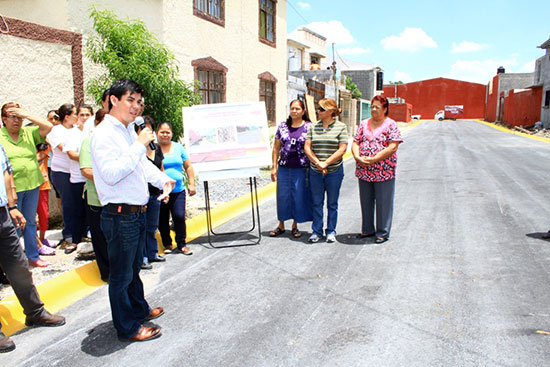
column 539, row 138
column 67, row 288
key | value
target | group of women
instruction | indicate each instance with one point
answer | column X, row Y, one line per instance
column 308, row 164
column 62, row 135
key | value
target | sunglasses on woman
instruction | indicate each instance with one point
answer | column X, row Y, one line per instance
column 320, row 109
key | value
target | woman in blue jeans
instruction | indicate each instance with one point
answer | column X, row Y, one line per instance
column 20, row 145
column 150, row 253
column 175, row 161
column 325, row 146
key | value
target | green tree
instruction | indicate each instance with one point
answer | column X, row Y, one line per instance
column 129, row 50
column 352, row 87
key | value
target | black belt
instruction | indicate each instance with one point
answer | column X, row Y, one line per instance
column 124, row 209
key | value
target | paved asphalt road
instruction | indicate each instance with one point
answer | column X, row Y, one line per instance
column 464, row 280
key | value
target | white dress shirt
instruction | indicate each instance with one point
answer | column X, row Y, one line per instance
column 120, row 165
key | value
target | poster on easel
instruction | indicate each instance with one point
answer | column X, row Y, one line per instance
column 227, row 140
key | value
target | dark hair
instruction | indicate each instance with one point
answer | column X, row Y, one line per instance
column 305, row 116
column 123, row 86
column 85, row 106
column 100, row 115
column 384, row 101
column 50, row 111
column 149, row 120
column 65, row 110
column 165, row 123
column 105, row 94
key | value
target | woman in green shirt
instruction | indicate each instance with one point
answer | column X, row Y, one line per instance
column 325, row 146
column 20, row 145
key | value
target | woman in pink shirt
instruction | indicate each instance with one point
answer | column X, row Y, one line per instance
column 374, row 148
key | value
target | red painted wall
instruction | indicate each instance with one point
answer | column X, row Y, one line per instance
column 522, row 108
column 492, row 99
column 400, row 112
column 429, row 96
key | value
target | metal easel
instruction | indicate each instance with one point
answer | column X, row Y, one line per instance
column 255, row 216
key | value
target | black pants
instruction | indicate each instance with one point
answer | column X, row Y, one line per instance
column 99, row 243
column 176, row 207
column 15, row 264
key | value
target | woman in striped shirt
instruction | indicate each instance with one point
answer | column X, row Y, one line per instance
column 325, row 146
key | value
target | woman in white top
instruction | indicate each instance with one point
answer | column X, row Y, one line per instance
column 60, row 170
column 77, row 208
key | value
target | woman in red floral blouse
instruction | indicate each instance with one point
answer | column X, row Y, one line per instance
column 374, row 148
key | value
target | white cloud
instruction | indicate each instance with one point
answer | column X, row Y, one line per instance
column 304, row 5
column 401, row 76
column 479, row 71
column 411, row 39
column 528, row 67
column 354, row 51
column 467, row 46
column 333, row 30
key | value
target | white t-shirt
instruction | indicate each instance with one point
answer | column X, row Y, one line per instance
column 73, row 142
column 88, row 126
column 60, row 159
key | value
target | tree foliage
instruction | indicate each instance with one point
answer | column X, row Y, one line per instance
column 352, row 87
column 129, row 50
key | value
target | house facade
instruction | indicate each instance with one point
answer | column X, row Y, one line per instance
column 235, row 49
column 498, row 88
column 542, row 79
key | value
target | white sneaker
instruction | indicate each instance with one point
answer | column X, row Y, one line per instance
column 314, row 238
column 331, row 238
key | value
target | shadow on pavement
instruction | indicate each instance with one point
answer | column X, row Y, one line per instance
column 102, row 340
column 538, row 236
column 226, row 240
column 350, row 239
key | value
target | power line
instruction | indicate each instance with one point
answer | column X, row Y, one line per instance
column 297, row 12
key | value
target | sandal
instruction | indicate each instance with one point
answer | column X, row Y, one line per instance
column 546, row 236
column 277, row 231
column 70, row 248
column 296, row 233
column 186, row 251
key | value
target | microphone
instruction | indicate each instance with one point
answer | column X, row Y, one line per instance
column 140, row 123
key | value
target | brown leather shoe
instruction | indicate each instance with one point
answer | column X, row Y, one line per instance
column 6, row 344
column 46, row 320
column 146, row 333
column 155, row 312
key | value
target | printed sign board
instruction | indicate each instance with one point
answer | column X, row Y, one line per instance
column 227, row 136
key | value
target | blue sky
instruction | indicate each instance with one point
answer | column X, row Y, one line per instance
column 422, row 39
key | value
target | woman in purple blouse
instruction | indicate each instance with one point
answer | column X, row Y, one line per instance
column 374, row 148
column 290, row 166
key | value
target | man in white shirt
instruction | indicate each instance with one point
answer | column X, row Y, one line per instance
column 121, row 173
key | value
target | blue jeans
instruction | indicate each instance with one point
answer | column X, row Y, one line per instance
column 62, row 185
column 125, row 235
column 320, row 184
column 151, row 226
column 28, row 203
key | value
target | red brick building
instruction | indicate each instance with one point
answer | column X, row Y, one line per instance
column 429, row 96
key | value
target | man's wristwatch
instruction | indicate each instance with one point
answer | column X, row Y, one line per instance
column 10, row 208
